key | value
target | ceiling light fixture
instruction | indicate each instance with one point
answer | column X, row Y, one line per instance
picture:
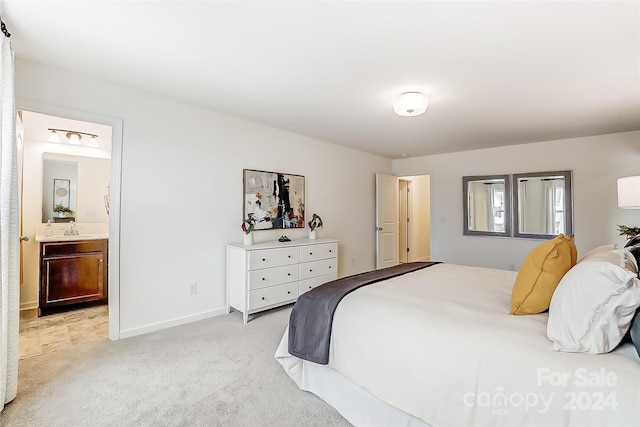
column 74, row 137
column 410, row 104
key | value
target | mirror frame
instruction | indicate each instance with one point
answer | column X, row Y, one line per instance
column 507, row 205
column 568, row 203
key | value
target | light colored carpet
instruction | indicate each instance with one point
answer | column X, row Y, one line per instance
column 216, row 372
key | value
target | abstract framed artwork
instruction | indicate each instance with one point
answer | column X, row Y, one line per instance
column 276, row 199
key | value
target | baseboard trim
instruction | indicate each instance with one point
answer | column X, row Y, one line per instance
column 126, row 333
column 28, row 305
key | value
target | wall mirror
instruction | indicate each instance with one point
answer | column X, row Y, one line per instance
column 543, row 204
column 77, row 183
column 487, row 207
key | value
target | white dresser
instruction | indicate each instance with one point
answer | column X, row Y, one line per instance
column 267, row 275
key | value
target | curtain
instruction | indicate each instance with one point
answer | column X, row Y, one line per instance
column 481, row 210
column 9, row 238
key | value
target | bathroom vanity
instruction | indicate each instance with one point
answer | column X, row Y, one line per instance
column 73, row 271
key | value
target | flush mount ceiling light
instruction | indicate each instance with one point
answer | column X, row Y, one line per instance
column 410, row 104
column 74, row 137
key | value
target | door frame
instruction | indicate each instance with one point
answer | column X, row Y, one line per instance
column 115, row 184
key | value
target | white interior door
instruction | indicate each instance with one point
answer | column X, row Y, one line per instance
column 386, row 220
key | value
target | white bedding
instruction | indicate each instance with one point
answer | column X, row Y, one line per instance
column 439, row 345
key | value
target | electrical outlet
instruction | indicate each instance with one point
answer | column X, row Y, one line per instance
column 193, row 288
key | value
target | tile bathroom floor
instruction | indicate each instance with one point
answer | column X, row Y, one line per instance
column 40, row 335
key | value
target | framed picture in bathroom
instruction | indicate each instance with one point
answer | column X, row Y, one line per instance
column 276, row 199
column 62, row 193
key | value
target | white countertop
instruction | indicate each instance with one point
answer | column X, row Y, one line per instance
column 63, row 238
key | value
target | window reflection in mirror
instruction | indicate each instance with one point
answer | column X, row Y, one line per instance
column 487, row 211
column 543, row 203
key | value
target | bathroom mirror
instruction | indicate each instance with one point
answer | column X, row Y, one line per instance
column 487, row 207
column 77, row 183
column 543, row 204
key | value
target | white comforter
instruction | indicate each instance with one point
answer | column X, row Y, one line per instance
column 440, row 345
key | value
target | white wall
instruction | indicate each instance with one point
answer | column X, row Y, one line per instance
column 182, row 192
column 596, row 162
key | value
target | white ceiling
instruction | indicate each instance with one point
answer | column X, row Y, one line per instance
column 497, row 73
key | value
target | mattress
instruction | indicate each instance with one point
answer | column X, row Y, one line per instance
column 439, row 345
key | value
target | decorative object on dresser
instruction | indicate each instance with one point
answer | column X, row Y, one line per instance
column 276, row 199
column 268, row 275
column 316, row 222
column 248, row 225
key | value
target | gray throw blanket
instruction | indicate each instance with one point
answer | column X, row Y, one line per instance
column 312, row 315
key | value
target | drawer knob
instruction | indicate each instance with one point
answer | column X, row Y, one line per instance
column 264, row 259
column 310, row 253
column 329, row 250
column 288, row 292
column 310, row 270
column 289, row 256
column 264, row 278
column 263, row 298
column 310, row 287
column 329, row 266
column 288, row 274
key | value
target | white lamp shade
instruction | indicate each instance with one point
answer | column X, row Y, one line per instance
column 93, row 142
column 410, row 104
column 74, row 138
column 629, row 192
column 53, row 137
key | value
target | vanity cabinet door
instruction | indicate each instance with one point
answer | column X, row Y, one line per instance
column 72, row 273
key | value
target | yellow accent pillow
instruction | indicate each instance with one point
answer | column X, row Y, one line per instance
column 540, row 273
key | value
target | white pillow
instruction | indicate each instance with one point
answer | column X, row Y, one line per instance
column 592, row 307
column 603, row 248
column 620, row 257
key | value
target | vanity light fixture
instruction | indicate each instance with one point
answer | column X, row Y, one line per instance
column 629, row 192
column 410, row 104
column 74, row 137
column 54, row 137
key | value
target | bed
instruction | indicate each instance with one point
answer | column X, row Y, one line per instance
column 438, row 347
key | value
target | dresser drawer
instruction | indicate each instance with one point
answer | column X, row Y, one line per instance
column 273, row 295
column 273, row 257
column 316, row 252
column 308, row 284
column 272, row 276
column 318, row 268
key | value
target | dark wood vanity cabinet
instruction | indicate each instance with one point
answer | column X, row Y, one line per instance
column 72, row 272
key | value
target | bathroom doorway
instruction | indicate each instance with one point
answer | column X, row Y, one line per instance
column 87, row 199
